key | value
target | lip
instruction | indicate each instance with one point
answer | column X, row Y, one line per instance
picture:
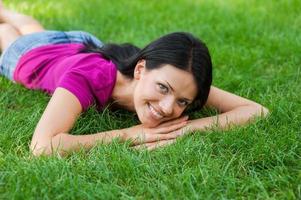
column 154, row 116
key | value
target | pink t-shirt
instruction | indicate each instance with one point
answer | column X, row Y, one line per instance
column 89, row 76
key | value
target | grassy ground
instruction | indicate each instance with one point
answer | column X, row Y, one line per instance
column 255, row 47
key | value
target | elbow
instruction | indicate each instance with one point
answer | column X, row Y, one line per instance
column 47, row 146
column 35, row 153
column 40, row 150
column 265, row 111
column 40, row 147
column 261, row 110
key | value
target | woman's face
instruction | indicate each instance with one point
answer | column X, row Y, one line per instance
column 162, row 94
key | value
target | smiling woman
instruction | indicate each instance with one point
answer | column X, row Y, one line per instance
column 158, row 82
column 159, row 96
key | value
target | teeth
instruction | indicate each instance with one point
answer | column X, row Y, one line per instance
column 158, row 115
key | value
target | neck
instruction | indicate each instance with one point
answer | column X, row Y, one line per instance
column 123, row 93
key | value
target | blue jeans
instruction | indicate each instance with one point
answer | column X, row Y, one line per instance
column 10, row 57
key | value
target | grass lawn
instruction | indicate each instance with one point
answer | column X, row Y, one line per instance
column 255, row 47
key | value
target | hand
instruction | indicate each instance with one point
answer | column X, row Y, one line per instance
column 165, row 131
column 163, row 143
column 154, row 145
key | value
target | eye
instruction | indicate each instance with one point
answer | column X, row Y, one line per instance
column 183, row 103
column 163, row 88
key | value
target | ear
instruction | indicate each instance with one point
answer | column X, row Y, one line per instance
column 139, row 69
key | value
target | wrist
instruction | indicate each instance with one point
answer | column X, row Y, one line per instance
column 194, row 125
column 123, row 134
column 202, row 124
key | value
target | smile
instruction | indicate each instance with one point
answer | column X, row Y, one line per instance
column 154, row 113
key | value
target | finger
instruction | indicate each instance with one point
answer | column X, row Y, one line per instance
column 139, row 139
column 155, row 145
column 159, row 137
column 174, row 121
column 141, row 146
column 150, row 137
column 154, row 137
column 161, row 144
column 170, row 128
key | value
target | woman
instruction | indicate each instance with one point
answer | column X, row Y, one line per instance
column 158, row 82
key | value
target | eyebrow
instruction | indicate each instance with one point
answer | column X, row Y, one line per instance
column 170, row 86
column 174, row 90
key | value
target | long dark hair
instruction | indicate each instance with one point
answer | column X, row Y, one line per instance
column 179, row 49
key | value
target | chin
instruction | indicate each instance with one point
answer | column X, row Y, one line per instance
column 149, row 123
column 145, row 118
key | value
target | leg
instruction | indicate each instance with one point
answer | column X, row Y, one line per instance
column 8, row 34
column 23, row 23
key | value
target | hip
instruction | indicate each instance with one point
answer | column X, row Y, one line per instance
column 10, row 57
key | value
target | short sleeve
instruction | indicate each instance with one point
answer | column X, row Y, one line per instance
column 79, row 85
column 89, row 77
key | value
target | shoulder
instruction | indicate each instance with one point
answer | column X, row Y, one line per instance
column 89, row 76
column 94, row 67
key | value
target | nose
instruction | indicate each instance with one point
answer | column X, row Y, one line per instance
column 166, row 105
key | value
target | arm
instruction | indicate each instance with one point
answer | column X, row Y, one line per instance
column 58, row 118
column 51, row 134
column 235, row 110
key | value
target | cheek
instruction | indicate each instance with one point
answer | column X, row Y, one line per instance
column 141, row 96
column 178, row 112
column 146, row 92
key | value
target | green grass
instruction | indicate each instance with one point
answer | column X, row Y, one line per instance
column 255, row 48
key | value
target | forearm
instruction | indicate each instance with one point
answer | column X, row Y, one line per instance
column 63, row 143
column 238, row 116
